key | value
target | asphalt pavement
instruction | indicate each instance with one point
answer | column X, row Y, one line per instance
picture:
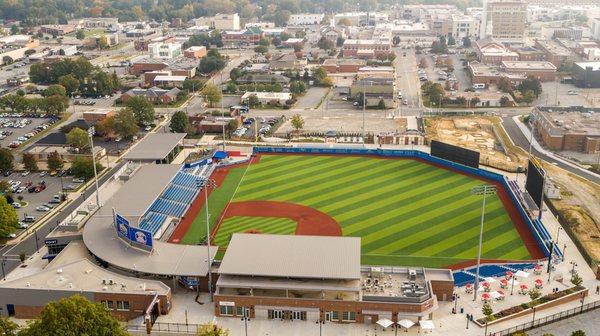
column 520, row 140
column 33, row 242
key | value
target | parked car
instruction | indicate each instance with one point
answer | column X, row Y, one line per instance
column 42, row 208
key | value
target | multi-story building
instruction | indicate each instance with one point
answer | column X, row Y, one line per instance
column 319, row 278
column 57, row 30
column 241, row 37
column 220, row 21
column 544, row 70
column 93, row 23
column 375, row 88
column 361, row 19
column 164, row 50
column 488, row 75
column 555, row 53
column 587, row 74
column 366, row 48
column 568, row 128
column 528, row 53
column 336, row 65
column 493, row 52
column 305, row 19
column 504, row 20
column 464, row 26
column 195, row 52
column 595, row 29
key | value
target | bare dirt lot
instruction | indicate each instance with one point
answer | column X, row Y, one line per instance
column 476, row 133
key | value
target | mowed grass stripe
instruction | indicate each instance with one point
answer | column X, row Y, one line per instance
column 338, row 191
column 394, row 192
column 256, row 176
column 389, row 212
column 425, row 236
column 307, row 179
column 262, row 224
column 332, row 183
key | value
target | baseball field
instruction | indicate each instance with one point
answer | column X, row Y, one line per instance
column 407, row 212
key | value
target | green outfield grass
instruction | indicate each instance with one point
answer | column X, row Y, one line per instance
column 406, row 212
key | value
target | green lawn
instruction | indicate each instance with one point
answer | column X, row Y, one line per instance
column 271, row 225
column 407, row 212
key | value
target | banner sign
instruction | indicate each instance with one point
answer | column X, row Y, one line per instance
column 140, row 236
column 122, row 226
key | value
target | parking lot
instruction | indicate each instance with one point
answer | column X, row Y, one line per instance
column 15, row 130
column 554, row 93
column 311, row 98
column 37, row 199
column 263, row 125
column 440, row 74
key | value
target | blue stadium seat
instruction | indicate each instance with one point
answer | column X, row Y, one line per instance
column 462, row 278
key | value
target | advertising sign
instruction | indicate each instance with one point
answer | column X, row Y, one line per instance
column 122, row 226
column 140, row 236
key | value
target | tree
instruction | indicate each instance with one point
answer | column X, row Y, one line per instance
column 261, row 49
column 396, row 40
column 235, row 73
column 451, row 40
column 56, row 104
column 142, row 109
column 277, row 87
column 339, row 41
column 77, row 138
column 212, row 330
column 528, row 97
column 381, row 104
column 505, row 85
column 423, row 63
column 466, row 41
column 103, row 42
column 7, row 327
column 29, row 52
column 504, row 101
column 534, row 294
column 578, row 333
column 8, row 217
column 297, row 87
column 213, row 61
column 80, row 35
column 6, row 60
column 325, row 43
column 54, row 161
column 14, row 29
column 30, row 162
column 73, row 316
column 69, row 83
column 192, row 84
column 6, row 160
column 54, row 89
column 211, row 94
column 264, row 42
column 297, row 122
column 253, row 101
column 576, row 279
column 105, row 126
column 486, row 309
column 231, row 87
column 83, row 167
column 532, row 84
column 449, row 64
column 180, row 122
column 345, row 22
column 126, row 124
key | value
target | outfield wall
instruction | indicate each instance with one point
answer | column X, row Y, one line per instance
column 537, row 228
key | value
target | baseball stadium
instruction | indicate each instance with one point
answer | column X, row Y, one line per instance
column 408, row 207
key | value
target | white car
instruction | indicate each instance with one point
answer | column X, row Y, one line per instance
column 12, row 235
column 25, row 173
column 42, row 208
column 42, row 174
column 78, row 180
column 23, row 225
column 16, row 205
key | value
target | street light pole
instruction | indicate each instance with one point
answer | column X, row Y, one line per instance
column 222, row 110
column 481, row 190
column 206, row 184
column 364, row 109
column 91, row 132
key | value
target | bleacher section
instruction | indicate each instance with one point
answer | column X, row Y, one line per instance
column 152, row 221
column 466, row 276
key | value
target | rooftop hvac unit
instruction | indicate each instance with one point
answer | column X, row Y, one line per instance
column 412, row 274
column 59, row 271
column 104, row 281
column 111, row 282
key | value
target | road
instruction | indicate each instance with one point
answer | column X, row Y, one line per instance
column 520, row 140
column 29, row 245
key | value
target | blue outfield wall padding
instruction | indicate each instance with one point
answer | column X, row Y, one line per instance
column 540, row 233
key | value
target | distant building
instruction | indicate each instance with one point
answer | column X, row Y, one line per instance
column 164, row 50
column 263, row 78
column 241, row 37
column 568, row 128
column 220, row 21
column 375, row 89
column 93, row 23
column 587, row 74
column 544, row 71
column 195, row 52
column 154, row 94
column 270, row 98
column 305, row 19
column 57, row 30
column 411, row 132
column 555, row 53
column 335, row 65
column 365, row 48
column 141, row 44
column 464, row 26
column 178, row 66
column 530, row 54
column 261, row 25
column 504, row 20
column 361, row 19
column 96, row 115
column 287, row 61
column 493, row 52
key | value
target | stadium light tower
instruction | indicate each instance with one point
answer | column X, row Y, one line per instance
column 91, row 132
column 481, row 190
column 208, row 183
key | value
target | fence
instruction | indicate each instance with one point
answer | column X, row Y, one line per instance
column 548, row 319
column 159, row 327
column 539, row 231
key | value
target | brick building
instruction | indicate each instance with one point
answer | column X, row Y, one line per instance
column 492, row 52
column 555, row 53
column 366, row 48
column 73, row 272
column 544, row 71
column 335, row 65
column 242, row 37
column 568, row 128
column 319, row 278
